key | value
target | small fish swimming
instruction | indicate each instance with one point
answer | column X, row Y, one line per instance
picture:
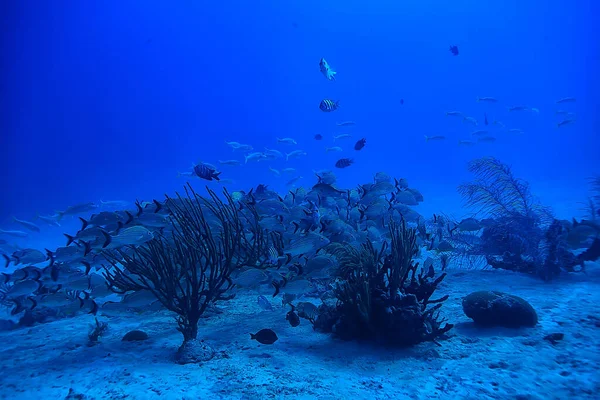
column 346, row 123
column 274, row 171
column 434, row 138
column 360, row 144
column 50, row 219
column 565, row 122
column 239, row 146
column 454, row 114
column 203, row 171
column 254, row 157
column 470, row 120
column 344, row 163
column 334, row 148
column 77, row 209
column 466, row 143
column 326, row 70
column 328, row 105
column 229, row 162
column 318, row 136
column 480, row 132
column 264, row 336
column 518, row 108
column 29, row 225
column 13, row 233
column 115, row 203
column 272, row 153
column 486, row 139
column 566, row 100
column 286, row 140
column 486, row 100
column 342, row 136
column 134, row 235
column 295, row 154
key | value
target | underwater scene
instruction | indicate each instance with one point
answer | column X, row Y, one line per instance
column 300, row 200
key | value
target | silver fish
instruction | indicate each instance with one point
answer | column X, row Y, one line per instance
column 13, row 233
column 77, row 209
column 29, row 225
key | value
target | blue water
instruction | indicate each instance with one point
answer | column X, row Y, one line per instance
column 110, row 101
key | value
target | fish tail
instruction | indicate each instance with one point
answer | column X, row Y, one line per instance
column 287, row 156
column 94, row 309
column 216, row 176
column 88, row 248
column 426, row 138
column 129, row 218
column 7, row 259
column 84, row 223
column 252, row 336
column 245, row 159
column 88, row 267
column 478, row 99
column 119, row 227
column 50, row 256
column 70, row 239
column 107, row 239
column 139, row 207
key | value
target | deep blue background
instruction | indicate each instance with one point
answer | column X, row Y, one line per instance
column 110, row 101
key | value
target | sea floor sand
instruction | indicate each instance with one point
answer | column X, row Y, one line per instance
column 46, row 361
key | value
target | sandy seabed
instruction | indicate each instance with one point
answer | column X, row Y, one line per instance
column 47, row 360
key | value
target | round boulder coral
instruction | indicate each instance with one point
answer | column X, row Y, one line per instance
column 134, row 336
column 490, row 308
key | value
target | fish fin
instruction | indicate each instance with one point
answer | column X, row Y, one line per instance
column 34, row 303
column 84, row 223
column 50, row 256
column 70, row 239
column 139, row 207
column 107, row 238
column 216, row 175
column 6, row 277
column 88, row 248
column 129, row 217
column 7, row 260
column 277, row 287
column 119, row 227
column 297, row 226
column 158, row 205
column 88, row 267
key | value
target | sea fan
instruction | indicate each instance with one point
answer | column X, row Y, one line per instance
column 497, row 193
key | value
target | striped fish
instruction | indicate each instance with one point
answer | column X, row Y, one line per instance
column 206, row 172
column 329, row 105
